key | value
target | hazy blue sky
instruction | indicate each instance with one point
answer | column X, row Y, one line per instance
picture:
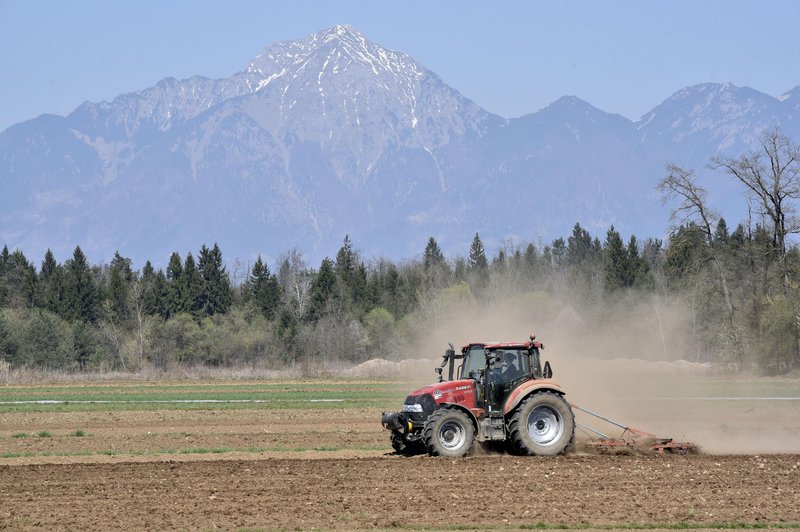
column 511, row 58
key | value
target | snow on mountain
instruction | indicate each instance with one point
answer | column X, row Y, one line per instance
column 699, row 121
column 791, row 98
column 334, row 134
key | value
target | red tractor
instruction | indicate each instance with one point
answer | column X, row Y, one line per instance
column 502, row 394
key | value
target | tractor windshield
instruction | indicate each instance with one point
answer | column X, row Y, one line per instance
column 474, row 359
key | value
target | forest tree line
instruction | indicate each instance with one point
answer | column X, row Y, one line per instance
column 738, row 288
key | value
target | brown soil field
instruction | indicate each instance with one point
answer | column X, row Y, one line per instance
column 332, row 468
column 164, row 432
column 391, row 492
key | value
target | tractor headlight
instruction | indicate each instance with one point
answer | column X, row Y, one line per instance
column 412, row 408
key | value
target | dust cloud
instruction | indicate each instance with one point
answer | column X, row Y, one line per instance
column 625, row 362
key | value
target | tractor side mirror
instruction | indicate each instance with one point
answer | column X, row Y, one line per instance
column 547, row 372
column 439, row 372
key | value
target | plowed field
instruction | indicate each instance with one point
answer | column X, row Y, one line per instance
column 326, row 463
column 391, row 492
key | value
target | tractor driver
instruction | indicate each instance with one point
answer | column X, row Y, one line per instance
column 508, row 370
column 510, row 367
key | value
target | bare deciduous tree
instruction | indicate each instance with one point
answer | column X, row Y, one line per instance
column 136, row 300
column 679, row 183
column 295, row 279
column 772, row 176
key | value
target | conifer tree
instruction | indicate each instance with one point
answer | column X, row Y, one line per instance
column 433, row 256
column 351, row 288
column 477, row 264
column 4, row 255
column 18, row 280
column 435, row 265
column 157, row 301
column 51, row 285
column 216, row 294
column 175, row 286
column 477, row 255
column 531, row 261
column 9, row 345
column 81, row 296
column 322, row 292
column 121, row 277
column 192, row 283
column 616, row 274
column 558, row 252
column 151, row 306
column 264, row 289
column 580, row 247
column 346, row 259
column 637, row 269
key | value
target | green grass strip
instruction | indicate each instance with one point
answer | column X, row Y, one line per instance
column 209, row 397
column 210, row 388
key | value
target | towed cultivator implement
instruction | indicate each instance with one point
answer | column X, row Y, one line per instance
column 631, row 438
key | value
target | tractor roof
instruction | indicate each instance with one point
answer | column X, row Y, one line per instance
column 504, row 345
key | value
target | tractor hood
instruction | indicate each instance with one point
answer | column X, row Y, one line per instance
column 460, row 391
column 441, row 388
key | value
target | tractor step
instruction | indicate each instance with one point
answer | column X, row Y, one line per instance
column 493, row 428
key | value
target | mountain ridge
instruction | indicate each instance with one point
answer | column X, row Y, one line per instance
column 333, row 134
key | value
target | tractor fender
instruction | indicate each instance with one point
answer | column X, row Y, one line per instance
column 527, row 388
column 467, row 411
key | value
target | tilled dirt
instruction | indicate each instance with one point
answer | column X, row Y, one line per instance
column 394, row 492
column 166, row 432
column 331, row 468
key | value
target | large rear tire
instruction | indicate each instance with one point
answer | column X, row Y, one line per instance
column 542, row 425
column 448, row 432
column 404, row 447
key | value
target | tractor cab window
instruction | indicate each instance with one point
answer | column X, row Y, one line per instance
column 509, row 365
column 474, row 359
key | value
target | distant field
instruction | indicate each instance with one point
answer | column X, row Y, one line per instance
column 132, row 419
column 199, row 396
column 148, row 419
column 288, row 454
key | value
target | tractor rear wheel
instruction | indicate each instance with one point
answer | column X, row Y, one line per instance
column 542, row 425
column 448, row 432
column 406, row 448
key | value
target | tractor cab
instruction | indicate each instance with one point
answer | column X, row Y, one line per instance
column 497, row 368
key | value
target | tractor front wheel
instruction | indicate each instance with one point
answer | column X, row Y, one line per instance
column 448, row 432
column 542, row 425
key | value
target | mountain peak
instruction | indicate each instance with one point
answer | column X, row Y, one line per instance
column 571, row 105
column 333, row 47
column 571, row 100
column 341, row 31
